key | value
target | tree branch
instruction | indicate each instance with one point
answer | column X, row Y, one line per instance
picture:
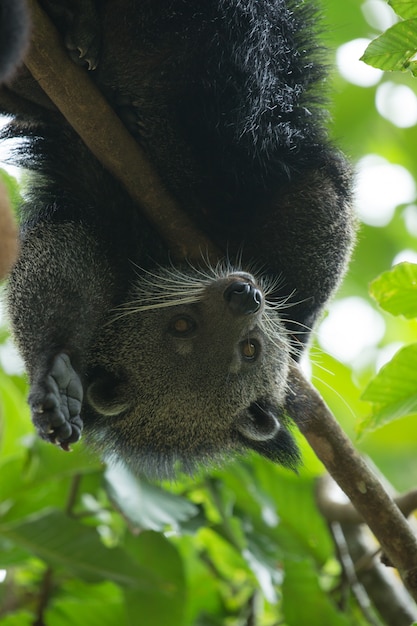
column 350, row 575
column 306, row 407
column 382, row 586
column 360, row 559
column 345, row 513
column 85, row 109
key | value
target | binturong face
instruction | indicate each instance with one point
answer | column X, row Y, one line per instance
column 192, row 370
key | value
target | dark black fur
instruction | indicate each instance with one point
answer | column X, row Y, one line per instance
column 14, row 35
column 223, row 97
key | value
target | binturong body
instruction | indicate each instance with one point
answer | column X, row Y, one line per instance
column 166, row 364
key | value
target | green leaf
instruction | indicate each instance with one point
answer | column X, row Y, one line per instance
column 202, row 585
column 11, row 473
column 261, row 557
column 66, row 543
column 300, row 582
column 302, row 535
column 154, row 553
column 50, row 462
column 82, row 603
column 404, row 8
column 21, row 618
column 396, row 290
column 14, row 417
column 393, row 390
column 40, row 478
column 11, row 554
column 145, row 505
column 394, row 49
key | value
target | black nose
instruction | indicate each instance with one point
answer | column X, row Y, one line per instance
column 243, row 298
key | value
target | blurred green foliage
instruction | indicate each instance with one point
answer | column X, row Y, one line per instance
column 395, row 49
column 82, row 544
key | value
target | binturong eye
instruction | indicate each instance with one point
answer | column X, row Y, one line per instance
column 249, row 349
column 182, row 326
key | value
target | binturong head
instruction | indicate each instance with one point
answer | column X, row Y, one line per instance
column 192, row 370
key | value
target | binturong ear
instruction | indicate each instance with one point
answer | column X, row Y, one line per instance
column 262, row 427
column 106, row 394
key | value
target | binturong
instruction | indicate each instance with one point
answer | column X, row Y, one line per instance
column 166, row 365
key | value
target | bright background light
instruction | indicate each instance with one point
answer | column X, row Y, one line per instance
column 10, row 359
column 381, row 187
column 352, row 69
column 378, row 14
column 410, row 219
column 351, row 326
column 405, row 255
column 397, row 103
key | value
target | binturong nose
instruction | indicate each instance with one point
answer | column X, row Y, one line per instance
column 243, row 298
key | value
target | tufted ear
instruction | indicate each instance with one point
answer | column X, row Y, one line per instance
column 106, row 394
column 258, row 423
column 262, row 427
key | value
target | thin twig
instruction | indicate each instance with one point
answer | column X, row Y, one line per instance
column 44, row 597
column 73, row 492
column 383, row 587
column 357, row 589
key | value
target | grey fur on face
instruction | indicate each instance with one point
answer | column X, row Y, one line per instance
column 205, row 378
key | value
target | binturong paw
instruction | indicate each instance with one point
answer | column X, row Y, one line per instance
column 55, row 401
column 83, row 36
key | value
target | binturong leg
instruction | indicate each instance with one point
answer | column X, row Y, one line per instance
column 59, row 292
